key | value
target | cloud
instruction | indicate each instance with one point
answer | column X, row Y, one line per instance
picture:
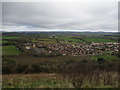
column 30, row 16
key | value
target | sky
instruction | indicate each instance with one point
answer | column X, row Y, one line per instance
column 60, row 16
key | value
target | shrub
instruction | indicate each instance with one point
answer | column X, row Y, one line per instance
column 21, row 68
column 8, row 66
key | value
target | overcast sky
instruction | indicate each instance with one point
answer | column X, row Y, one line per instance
column 60, row 16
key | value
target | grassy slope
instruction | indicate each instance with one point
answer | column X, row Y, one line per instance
column 10, row 50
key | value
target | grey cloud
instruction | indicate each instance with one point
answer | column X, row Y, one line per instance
column 61, row 16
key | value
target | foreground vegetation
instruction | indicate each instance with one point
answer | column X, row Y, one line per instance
column 103, row 80
column 71, row 72
column 34, row 81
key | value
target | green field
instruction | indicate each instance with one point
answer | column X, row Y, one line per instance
column 62, row 42
column 70, row 39
column 100, row 40
column 4, row 41
column 9, row 37
column 10, row 50
column 45, row 41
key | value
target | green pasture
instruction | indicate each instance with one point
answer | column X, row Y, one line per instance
column 62, row 42
column 100, row 40
column 45, row 41
column 70, row 39
column 4, row 41
column 10, row 50
column 35, row 81
column 9, row 37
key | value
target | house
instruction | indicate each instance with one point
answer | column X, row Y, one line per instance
column 27, row 47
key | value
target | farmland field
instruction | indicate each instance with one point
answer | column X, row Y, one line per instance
column 67, row 42
column 4, row 41
column 10, row 50
column 9, row 37
column 98, row 40
column 70, row 39
column 45, row 41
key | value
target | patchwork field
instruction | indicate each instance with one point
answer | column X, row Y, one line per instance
column 10, row 50
column 79, row 39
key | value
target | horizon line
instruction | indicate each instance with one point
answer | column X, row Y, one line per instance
column 63, row 31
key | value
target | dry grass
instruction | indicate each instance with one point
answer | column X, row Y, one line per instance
column 97, row 80
column 72, row 80
column 34, row 81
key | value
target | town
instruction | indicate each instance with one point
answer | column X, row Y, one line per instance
column 74, row 49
